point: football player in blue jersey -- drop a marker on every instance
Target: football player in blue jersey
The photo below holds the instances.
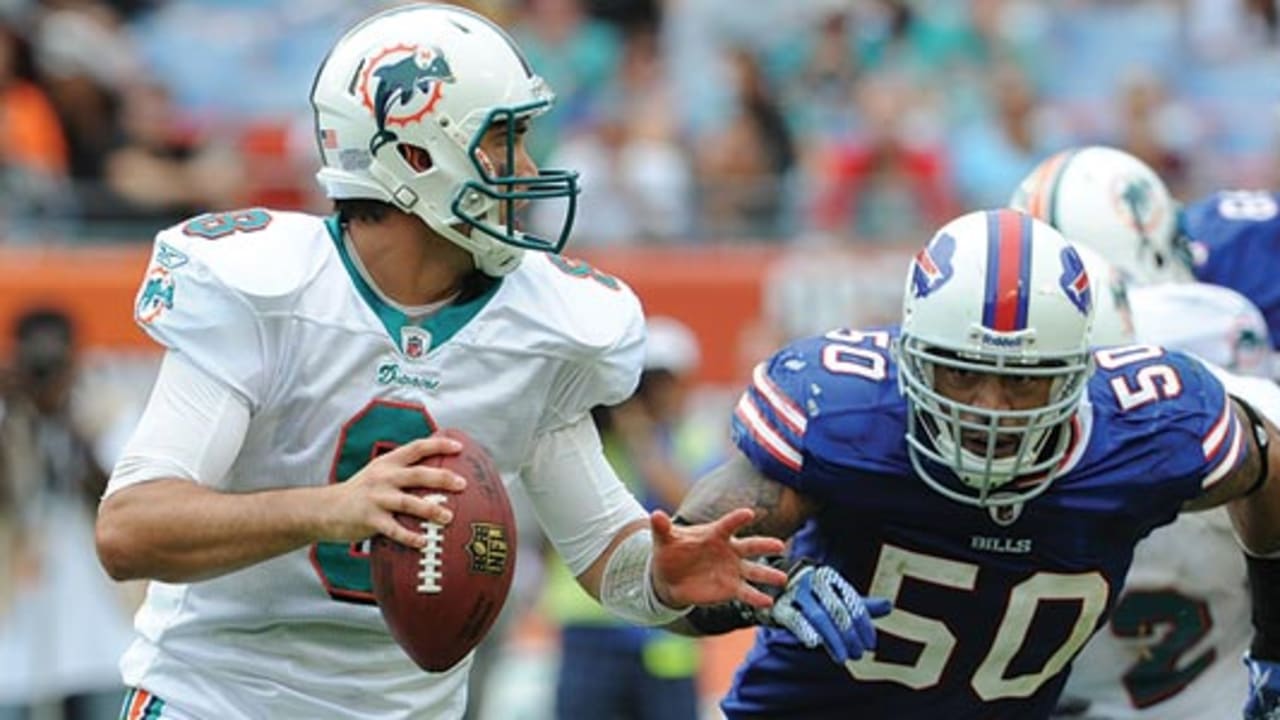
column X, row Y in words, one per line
column 1103, row 195
column 982, row 477
column 1234, row 239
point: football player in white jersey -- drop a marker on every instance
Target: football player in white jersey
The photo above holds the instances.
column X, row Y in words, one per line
column 309, row 361
column 1172, row 645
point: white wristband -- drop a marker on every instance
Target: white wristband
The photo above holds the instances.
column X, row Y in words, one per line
column 626, row 590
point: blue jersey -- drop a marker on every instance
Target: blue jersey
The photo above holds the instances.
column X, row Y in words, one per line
column 990, row 604
column 1236, row 243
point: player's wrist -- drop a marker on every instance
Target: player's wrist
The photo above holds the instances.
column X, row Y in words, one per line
column 628, row 586
column 1264, row 591
column 308, row 514
column 661, row 596
column 735, row 615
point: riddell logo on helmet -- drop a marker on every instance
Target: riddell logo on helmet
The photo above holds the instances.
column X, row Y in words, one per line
column 401, row 85
column 1003, row 340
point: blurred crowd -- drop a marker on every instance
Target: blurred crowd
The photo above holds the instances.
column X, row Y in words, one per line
column 690, row 120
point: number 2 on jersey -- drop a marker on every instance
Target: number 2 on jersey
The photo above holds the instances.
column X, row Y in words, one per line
column 1179, row 623
column 344, row 568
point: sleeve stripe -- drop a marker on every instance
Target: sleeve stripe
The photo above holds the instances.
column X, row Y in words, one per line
column 776, row 446
column 790, row 413
column 1229, row 462
column 1213, row 439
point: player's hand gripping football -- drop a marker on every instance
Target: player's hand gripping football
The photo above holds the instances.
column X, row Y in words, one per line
column 1264, row 690
column 365, row 504
column 820, row 607
column 706, row 565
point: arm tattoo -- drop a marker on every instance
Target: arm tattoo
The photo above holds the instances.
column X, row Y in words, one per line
column 736, row 484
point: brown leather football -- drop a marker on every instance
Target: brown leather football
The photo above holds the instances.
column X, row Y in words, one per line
column 441, row 600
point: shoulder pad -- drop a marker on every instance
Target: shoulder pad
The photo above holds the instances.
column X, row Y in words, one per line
column 255, row 251
column 1179, row 413
column 593, row 321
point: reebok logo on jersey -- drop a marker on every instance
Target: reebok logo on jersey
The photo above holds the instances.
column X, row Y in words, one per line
column 170, row 257
column 1007, row 545
column 391, row 374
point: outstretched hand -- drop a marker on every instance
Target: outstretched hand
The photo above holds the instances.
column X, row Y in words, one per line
column 706, row 565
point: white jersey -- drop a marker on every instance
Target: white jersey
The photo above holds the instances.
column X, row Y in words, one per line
column 1172, row 647
column 273, row 305
column 1216, row 323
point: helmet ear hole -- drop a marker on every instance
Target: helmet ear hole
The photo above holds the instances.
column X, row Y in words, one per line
column 417, row 157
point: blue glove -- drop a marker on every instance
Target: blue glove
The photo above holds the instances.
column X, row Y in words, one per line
column 1264, row 690
column 821, row 608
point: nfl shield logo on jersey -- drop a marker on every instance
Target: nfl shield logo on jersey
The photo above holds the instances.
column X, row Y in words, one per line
column 414, row 342
column 1005, row 515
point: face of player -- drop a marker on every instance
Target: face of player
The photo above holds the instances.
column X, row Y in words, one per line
column 991, row 391
column 502, row 149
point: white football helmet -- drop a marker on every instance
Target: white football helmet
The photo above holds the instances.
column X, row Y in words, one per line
column 994, row 292
column 1114, row 203
column 401, row 104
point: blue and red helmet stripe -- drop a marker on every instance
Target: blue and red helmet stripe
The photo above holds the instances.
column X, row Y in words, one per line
column 1008, row 284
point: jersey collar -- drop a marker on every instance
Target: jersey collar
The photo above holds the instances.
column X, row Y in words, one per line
column 439, row 326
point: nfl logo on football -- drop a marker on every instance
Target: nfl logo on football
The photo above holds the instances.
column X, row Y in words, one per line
column 415, row 341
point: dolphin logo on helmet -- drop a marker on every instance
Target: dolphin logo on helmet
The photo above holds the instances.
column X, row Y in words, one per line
column 408, row 78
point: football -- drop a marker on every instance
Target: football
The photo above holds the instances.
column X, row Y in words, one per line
column 440, row 601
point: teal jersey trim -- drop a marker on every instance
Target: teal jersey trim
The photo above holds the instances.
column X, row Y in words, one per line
column 441, row 325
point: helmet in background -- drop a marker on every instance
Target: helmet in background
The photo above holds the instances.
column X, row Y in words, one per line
column 1114, row 203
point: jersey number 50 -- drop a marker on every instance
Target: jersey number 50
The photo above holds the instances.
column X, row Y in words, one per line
column 1147, row 384
column 990, row 680
column 851, row 352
